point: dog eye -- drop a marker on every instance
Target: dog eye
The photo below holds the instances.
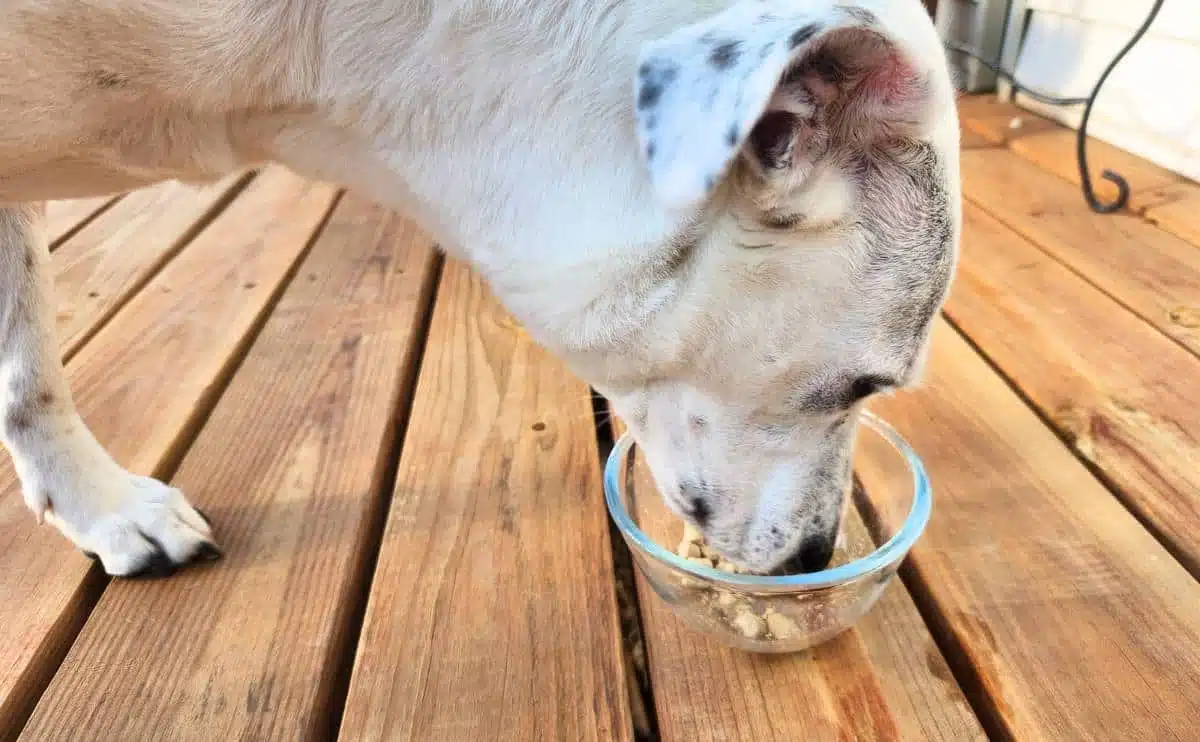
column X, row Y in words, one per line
column 865, row 386
column 782, row 221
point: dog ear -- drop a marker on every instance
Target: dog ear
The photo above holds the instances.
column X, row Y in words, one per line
column 778, row 80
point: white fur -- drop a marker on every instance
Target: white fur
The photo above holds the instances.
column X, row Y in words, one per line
column 509, row 131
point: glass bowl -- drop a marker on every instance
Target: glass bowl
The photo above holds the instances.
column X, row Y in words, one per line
column 891, row 506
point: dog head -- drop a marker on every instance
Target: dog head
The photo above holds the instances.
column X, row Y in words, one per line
column 810, row 149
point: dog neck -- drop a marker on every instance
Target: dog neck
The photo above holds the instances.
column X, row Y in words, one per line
column 509, row 133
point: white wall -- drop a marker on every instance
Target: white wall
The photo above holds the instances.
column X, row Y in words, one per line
column 1151, row 103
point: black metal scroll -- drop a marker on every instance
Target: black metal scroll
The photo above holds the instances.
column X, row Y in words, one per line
column 1085, row 175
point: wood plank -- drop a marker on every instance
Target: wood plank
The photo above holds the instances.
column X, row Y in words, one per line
column 1163, row 197
column 884, row 679
column 142, row 383
column 290, row 466
column 492, row 612
column 1084, row 361
column 1051, row 146
column 1150, row 271
column 99, row 268
column 1176, row 208
column 63, row 217
column 1075, row 623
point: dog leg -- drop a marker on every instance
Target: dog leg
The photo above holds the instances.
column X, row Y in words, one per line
column 132, row 524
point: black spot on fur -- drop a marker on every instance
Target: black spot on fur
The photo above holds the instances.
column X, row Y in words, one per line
column 731, row 138
column 861, row 15
column 803, row 34
column 654, row 80
column 30, row 260
column 109, row 80
column 726, row 54
column 45, row 399
column 701, row 512
column 650, row 151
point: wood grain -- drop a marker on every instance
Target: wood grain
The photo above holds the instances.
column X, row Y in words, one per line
column 1075, row 623
column 1082, row 359
column 1163, row 197
column 1148, row 270
column 142, row 383
column 290, row 468
column 492, row 612
column 885, row 679
column 65, row 216
column 101, row 266
column 1175, row 208
column 1051, row 146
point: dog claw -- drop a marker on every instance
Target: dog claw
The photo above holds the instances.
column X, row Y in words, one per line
column 208, row 552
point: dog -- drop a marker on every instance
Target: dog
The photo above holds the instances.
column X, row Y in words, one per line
column 735, row 219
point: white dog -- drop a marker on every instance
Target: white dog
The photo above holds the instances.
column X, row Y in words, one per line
column 734, row 218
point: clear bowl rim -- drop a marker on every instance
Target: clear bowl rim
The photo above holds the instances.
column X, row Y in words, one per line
column 889, row 552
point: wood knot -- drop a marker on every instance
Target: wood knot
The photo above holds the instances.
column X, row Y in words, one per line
column 1188, row 317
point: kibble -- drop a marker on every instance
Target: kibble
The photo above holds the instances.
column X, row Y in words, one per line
column 748, row 624
column 780, row 626
column 733, row 608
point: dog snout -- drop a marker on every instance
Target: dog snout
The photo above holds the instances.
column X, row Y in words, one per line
column 814, row 555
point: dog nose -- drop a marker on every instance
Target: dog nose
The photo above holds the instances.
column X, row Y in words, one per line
column 814, row 555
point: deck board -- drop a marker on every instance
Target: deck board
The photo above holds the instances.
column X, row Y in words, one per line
column 1073, row 620
column 101, row 266
column 63, row 218
column 1161, row 196
column 1081, row 359
column 1042, row 603
column 492, row 612
column 141, row 383
column 1152, row 272
column 290, row 469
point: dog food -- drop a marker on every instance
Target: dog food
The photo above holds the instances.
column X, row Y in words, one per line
column 729, row 607
column 761, row 618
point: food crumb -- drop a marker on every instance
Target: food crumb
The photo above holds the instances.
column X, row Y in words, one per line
column 750, row 625
column 726, row 599
column 779, row 625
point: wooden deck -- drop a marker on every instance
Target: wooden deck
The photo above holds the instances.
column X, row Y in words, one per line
column 408, row 491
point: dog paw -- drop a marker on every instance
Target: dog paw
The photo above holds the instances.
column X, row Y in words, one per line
column 134, row 526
